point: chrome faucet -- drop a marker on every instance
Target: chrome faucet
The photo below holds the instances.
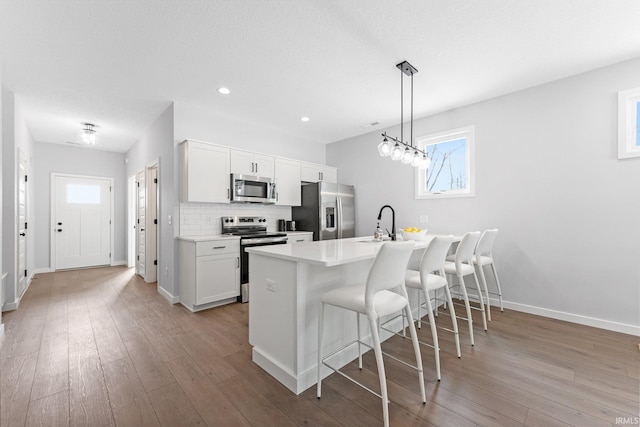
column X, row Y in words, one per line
column 392, row 234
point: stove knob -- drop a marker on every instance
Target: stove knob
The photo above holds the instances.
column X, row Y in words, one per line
column 226, row 220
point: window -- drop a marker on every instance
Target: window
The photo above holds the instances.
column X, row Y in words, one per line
column 450, row 173
column 83, row 193
column 629, row 123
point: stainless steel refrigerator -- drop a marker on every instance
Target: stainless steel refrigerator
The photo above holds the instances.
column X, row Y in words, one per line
column 327, row 209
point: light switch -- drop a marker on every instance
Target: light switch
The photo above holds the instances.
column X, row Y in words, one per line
column 170, row 219
column 271, row 285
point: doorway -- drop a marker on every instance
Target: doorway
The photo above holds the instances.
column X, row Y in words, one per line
column 146, row 222
column 22, row 225
column 131, row 221
column 82, row 229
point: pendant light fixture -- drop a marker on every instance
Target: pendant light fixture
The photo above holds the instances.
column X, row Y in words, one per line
column 406, row 153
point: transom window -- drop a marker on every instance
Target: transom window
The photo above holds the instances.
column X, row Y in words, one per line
column 451, row 171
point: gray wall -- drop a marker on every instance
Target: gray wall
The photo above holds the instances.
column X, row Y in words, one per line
column 158, row 143
column 57, row 158
column 547, row 175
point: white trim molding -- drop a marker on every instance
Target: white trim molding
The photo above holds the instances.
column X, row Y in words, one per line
column 171, row 298
column 628, row 111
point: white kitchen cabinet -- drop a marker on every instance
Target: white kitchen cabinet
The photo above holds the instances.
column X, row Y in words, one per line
column 205, row 175
column 310, row 172
column 299, row 237
column 287, row 178
column 209, row 272
column 248, row 163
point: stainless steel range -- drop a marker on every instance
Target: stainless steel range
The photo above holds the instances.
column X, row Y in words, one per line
column 253, row 232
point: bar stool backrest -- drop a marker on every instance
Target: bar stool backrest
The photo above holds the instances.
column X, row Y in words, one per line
column 485, row 244
column 388, row 269
column 434, row 256
column 466, row 248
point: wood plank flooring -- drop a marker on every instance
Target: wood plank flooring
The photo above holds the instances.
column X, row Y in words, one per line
column 99, row 347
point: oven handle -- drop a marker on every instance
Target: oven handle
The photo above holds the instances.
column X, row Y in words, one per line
column 258, row 241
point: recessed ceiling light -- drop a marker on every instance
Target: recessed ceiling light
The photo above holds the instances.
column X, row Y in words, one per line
column 224, row 91
column 304, row 119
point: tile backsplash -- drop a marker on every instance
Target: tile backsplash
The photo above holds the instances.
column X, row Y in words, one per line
column 199, row 219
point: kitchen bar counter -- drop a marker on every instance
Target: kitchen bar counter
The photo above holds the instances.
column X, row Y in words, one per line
column 286, row 284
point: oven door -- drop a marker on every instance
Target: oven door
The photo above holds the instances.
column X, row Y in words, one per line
column 252, row 243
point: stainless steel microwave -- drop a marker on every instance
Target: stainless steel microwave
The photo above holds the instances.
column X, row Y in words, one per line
column 252, row 189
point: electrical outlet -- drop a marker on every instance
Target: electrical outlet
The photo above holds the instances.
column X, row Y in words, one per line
column 170, row 219
column 166, row 272
column 271, row 285
column 424, row 219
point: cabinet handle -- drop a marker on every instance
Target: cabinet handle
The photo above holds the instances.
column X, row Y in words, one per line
column 277, row 196
column 237, row 262
column 228, row 193
column 300, row 240
column 219, row 247
column 252, row 167
column 256, row 168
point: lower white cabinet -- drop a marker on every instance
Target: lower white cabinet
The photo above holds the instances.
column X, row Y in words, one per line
column 209, row 272
column 299, row 237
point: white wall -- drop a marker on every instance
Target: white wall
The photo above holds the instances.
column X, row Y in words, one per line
column 158, row 143
column 192, row 122
column 57, row 158
column 547, row 175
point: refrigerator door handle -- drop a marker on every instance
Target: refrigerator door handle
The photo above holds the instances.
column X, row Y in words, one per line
column 339, row 216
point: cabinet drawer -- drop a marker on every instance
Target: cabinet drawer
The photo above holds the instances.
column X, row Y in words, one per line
column 216, row 247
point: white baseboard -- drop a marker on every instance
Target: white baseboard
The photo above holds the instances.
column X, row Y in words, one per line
column 121, row 262
column 172, row 299
column 41, row 270
column 10, row 306
column 570, row 317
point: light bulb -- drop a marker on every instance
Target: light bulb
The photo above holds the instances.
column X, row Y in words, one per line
column 425, row 162
column 407, row 156
column 384, row 148
column 396, row 153
column 416, row 159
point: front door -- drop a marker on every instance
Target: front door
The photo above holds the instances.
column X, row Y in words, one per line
column 82, row 221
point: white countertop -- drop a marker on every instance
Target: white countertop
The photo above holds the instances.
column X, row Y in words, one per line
column 208, row 237
column 328, row 253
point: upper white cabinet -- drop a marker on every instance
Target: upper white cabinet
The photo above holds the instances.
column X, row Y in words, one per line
column 205, row 175
column 248, row 163
column 310, row 172
column 287, row 177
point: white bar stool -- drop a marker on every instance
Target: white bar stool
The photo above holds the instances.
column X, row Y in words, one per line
column 432, row 260
column 460, row 265
column 375, row 300
column 483, row 257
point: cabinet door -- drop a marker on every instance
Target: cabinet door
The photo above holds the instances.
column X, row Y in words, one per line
column 217, row 278
column 264, row 165
column 242, row 162
column 205, row 173
column 287, row 177
column 310, row 172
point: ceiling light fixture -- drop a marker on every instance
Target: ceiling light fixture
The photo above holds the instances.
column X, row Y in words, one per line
column 304, row 119
column 88, row 134
column 224, row 91
column 410, row 155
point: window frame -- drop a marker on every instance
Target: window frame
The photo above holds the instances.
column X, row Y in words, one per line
column 468, row 133
column 628, row 106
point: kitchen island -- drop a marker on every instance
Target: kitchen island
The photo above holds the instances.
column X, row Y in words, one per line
column 286, row 284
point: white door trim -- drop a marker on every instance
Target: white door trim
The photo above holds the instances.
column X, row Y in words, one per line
column 52, row 242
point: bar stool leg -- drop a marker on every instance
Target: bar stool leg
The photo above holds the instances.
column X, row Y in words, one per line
column 377, row 349
column 495, row 275
column 454, row 320
column 463, row 289
column 484, row 315
column 434, row 334
column 416, row 350
column 483, row 280
column 359, row 339
column 320, row 330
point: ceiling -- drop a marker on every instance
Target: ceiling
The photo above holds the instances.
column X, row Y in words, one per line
column 119, row 64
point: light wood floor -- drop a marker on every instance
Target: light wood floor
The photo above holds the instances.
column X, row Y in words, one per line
column 99, row 347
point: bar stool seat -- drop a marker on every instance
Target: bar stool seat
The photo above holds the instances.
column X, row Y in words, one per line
column 352, row 298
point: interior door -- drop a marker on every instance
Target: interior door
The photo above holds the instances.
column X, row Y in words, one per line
column 141, row 224
column 22, row 224
column 82, row 222
column 151, row 230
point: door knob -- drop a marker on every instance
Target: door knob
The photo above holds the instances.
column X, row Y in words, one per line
column 23, row 234
column 59, row 223
column 59, row 230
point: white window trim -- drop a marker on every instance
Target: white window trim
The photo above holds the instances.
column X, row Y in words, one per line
column 627, row 104
column 467, row 132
